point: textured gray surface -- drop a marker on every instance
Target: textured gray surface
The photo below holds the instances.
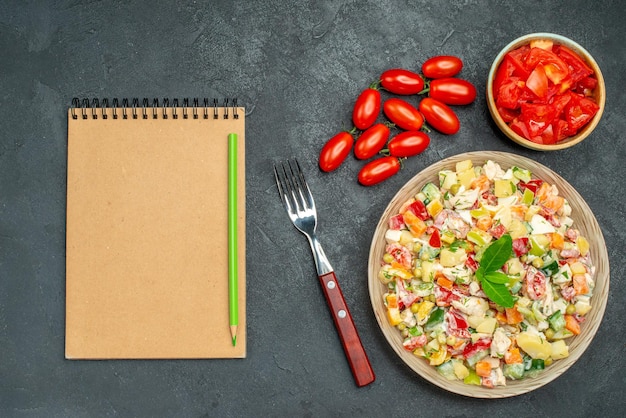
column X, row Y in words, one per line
column 297, row 67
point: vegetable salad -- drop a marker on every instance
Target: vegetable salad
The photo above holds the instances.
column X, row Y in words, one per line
column 487, row 277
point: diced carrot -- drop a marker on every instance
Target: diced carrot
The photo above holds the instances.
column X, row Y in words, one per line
column 415, row 224
column 484, row 223
column 572, row 324
column 443, row 281
column 501, row 317
column 392, row 300
column 513, row 356
column 481, row 183
column 483, row 368
column 519, row 211
column 580, row 284
column 557, row 241
column 542, row 192
column 553, row 202
column 513, row 316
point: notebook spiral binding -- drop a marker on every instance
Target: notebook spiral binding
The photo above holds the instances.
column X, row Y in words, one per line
column 132, row 108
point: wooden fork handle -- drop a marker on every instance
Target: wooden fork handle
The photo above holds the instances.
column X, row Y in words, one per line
column 350, row 340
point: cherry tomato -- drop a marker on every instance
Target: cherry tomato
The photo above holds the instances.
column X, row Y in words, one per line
column 452, row 91
column 408, row 144
column 366, row 108
column 442, row 66
column 399, row 81
column 403, row 114
column 439, row 116
column 335, row 151
column 371, row 141
column 378, row 170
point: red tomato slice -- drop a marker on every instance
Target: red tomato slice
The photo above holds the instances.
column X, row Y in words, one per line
column 439, row 116
column 555, row 68
column 403, row 114
column 399, row 81
column 537, row 117
column 577, row 67
column 579, row 111
column 366, row 108
column 378, row 170
column 335, row 151
column 371, row 141
column 537, row 82
column 509, row 94
column 408, row 144
column 517, row 58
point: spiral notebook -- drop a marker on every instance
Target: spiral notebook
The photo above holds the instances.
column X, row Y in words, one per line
column 147, row 233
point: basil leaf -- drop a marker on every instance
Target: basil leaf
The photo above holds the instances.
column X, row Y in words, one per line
column 480, row 274
column 498, row 293
column 497, row 277
column 497, row 253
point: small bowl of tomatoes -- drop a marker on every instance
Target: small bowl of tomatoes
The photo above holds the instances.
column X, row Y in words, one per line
column 545, row 92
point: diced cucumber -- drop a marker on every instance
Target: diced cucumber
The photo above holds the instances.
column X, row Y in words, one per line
column 447, row 370
column 431, row 191
column 556, row 321
column 522, row 174
column 513, row 371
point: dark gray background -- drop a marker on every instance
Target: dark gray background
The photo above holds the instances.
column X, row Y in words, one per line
column 297, row 67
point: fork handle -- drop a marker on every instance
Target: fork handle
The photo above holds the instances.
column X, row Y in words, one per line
column 350, row 340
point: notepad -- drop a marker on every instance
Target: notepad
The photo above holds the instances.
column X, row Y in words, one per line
column 147, row 230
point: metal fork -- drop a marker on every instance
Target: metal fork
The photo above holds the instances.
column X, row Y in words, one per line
column 298, row 202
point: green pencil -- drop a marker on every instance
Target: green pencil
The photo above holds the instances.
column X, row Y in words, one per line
column 233, row 297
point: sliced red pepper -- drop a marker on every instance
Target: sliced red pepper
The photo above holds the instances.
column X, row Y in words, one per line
column 419, row 209
column 473, row 348
column 435, row 239
column 457, row 324
column 532, row 185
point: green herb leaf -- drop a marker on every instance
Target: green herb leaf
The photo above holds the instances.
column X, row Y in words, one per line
column 497, row 277
column 498, row 293
column 497, row 253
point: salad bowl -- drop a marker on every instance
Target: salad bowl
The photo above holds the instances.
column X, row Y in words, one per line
column 584, row 221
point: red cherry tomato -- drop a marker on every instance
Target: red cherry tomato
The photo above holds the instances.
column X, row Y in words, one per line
column 442, row 66
column 366, row 108
column 335, row 151
column 408, row 144
column 439, row 116
column 399, row 81
column 378, row 170
column 371, row 141
column 452, row 91
column 403, row 114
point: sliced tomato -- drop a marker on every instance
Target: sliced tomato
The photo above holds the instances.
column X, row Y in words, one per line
column 577, row 67
column 555, row 68
column 509, row 94
column 537, row 117
column 579, row 111
column 518, row 57
column 508, row 115
column 537, row 82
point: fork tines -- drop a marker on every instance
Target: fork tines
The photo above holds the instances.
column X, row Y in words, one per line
column 292, row 186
